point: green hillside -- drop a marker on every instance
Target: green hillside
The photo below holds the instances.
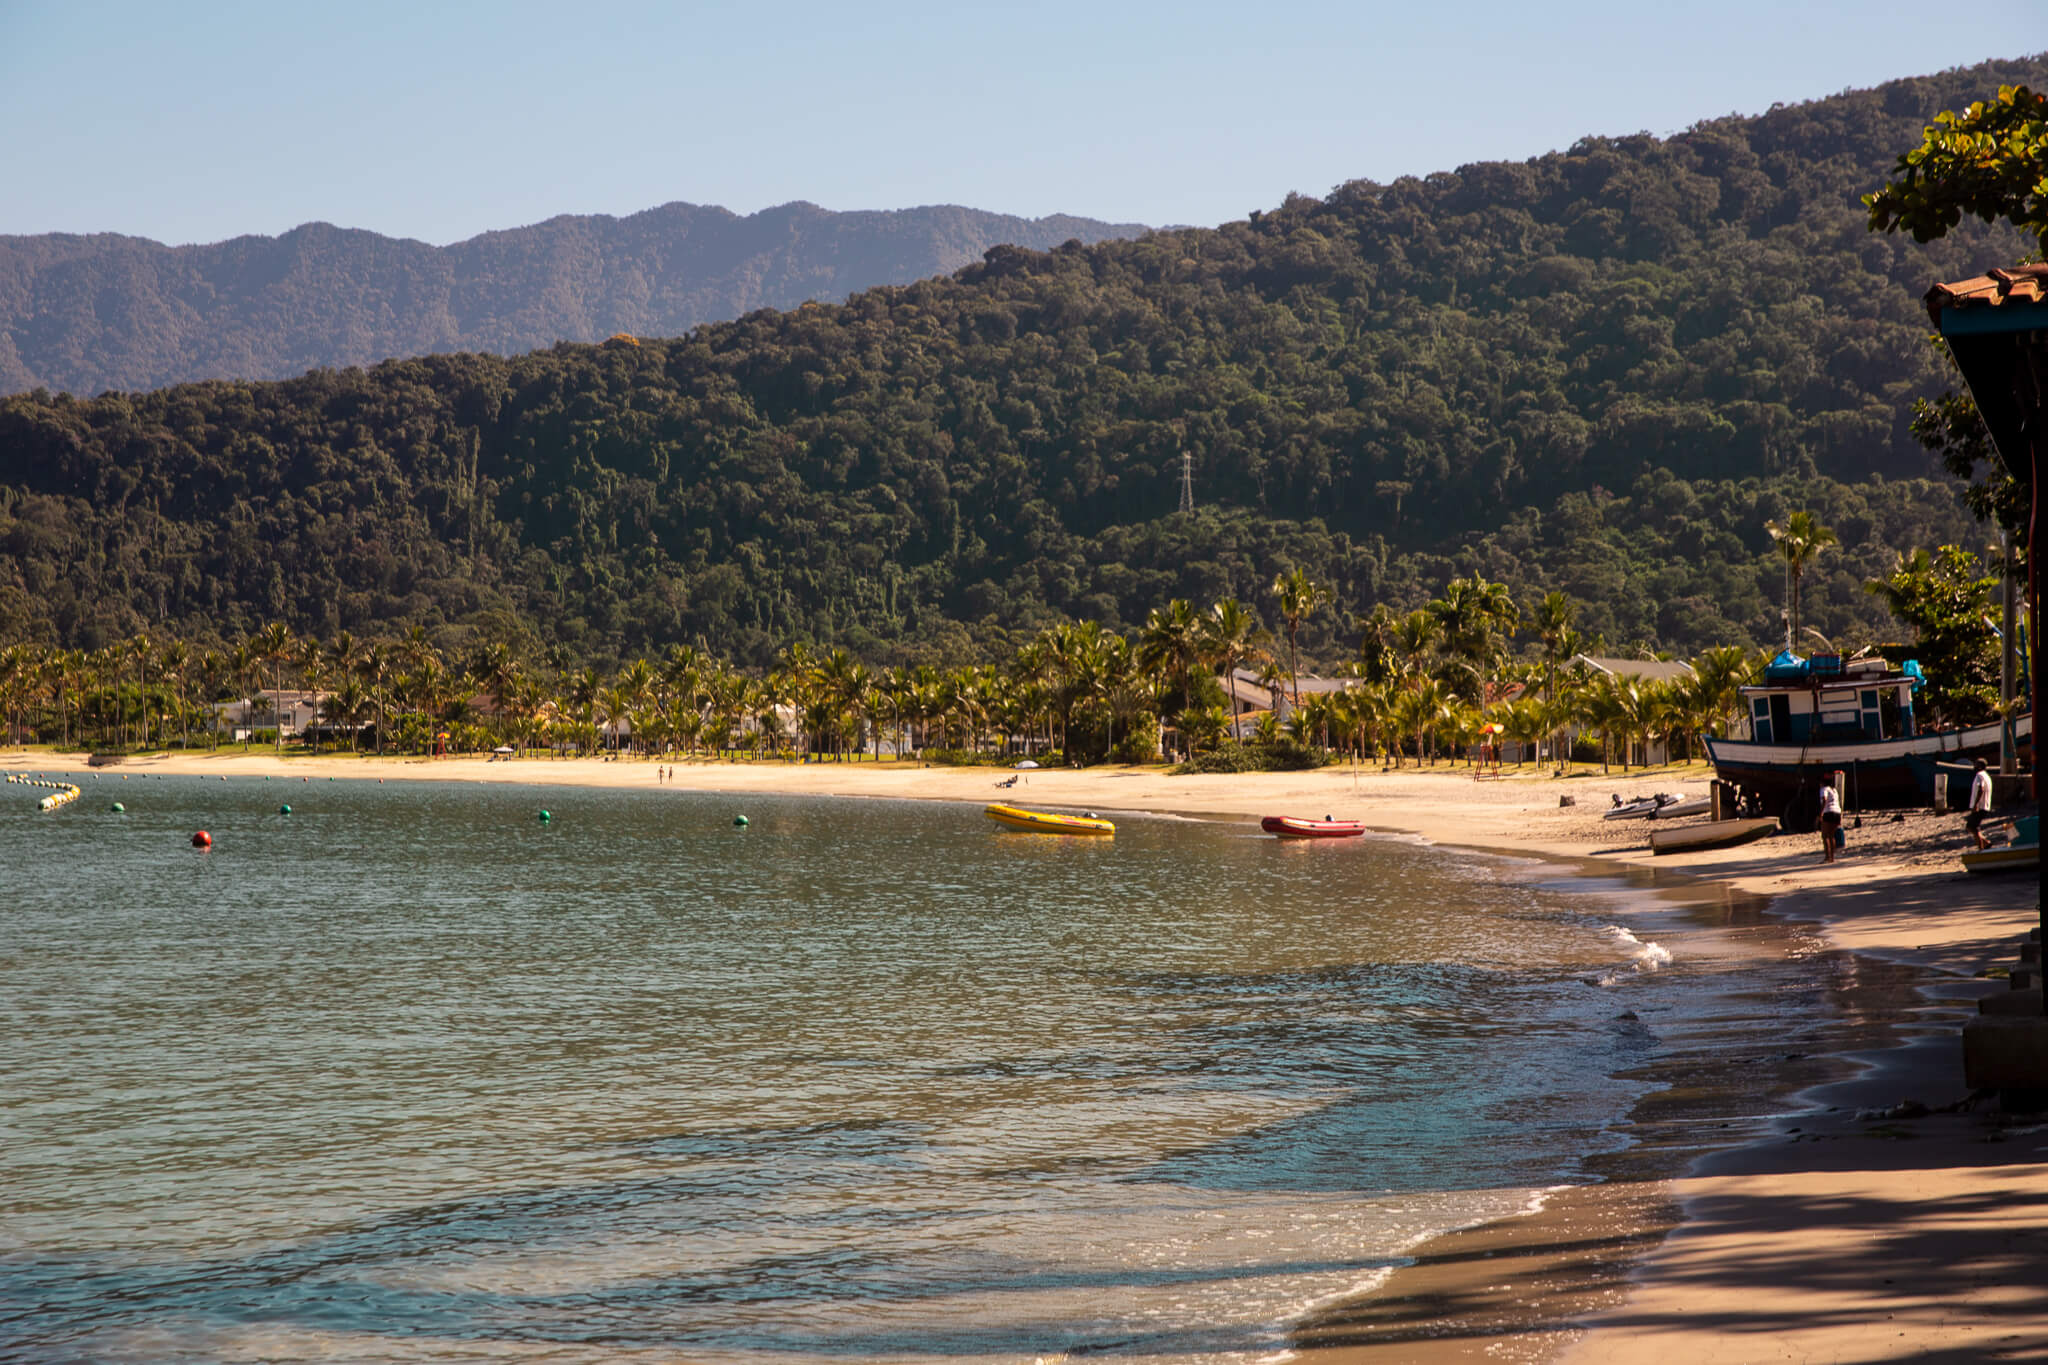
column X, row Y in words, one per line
column 1599, row 370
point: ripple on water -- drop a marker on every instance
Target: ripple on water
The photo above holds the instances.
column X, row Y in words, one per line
column 406, row 1077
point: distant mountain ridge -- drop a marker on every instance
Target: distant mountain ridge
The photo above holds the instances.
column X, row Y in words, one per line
column 86, row 313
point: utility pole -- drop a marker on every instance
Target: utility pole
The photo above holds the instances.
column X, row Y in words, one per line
column 1187, row 484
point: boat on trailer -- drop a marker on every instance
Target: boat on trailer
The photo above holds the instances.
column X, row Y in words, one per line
column 1810, row 718
column 1296, row 827
column 1047, row 822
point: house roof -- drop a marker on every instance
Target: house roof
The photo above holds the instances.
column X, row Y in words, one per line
column 1310, row 683
column 2019, row 284
column 1656, row 670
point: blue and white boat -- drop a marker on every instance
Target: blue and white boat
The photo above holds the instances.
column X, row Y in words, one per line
column 1812, row 717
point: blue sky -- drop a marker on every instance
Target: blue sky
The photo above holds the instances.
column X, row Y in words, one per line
column 440, row 120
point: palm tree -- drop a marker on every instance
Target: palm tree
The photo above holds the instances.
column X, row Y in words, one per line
column 1800, row 540
column 1418, row 709
column 1523, row 720
column 275, row 646
column 615, row 703
column 1415, row 637
column 1473, row 616
column 175, row 660
column 1719, row 675
column 1171, row 643
column 1232, row 637
column 1299, row 596
column 312, row 662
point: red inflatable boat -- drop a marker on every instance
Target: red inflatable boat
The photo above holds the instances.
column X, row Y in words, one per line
column 1294, row 827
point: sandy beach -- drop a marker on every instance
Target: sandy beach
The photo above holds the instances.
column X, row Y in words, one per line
column 1866, row 1211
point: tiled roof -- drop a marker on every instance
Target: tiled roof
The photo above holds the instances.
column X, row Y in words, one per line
column 2023, row 284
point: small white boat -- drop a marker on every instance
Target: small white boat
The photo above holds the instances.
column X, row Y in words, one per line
column 1642, row 807
column 1710, row 834
column 1678, row 810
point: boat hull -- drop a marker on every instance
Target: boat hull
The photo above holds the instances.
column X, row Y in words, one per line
column 1047, row 822
column 1710, row 834
column 2012, row 858
column 1294, row 827
column 1884, row 774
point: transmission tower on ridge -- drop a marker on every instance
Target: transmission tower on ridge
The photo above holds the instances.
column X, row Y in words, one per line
column 1187, row 483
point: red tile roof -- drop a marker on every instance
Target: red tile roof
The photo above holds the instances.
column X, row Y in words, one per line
column 2024, row 283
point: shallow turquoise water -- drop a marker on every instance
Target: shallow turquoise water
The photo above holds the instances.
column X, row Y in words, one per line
column 407, row 1075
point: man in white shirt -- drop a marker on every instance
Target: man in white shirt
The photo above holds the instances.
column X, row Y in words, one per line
column 1980, row 805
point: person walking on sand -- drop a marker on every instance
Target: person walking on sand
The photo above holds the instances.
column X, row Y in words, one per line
column 1830, row 820
column 1980, row 805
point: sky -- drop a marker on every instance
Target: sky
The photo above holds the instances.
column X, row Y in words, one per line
column 203, row 121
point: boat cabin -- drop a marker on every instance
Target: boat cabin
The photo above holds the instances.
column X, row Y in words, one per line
column 1823, row 700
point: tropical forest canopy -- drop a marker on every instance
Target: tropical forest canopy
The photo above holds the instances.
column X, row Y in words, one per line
column 1601, row 371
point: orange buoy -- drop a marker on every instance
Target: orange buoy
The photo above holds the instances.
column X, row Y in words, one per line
column 201, row 839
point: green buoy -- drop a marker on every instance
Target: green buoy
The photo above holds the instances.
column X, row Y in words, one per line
column 546, row 816
column 284, row 810
column 739, row 821
column 117, row 808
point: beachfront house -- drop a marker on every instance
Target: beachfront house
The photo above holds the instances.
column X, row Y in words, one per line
column 268, row 709
column 1640, row 672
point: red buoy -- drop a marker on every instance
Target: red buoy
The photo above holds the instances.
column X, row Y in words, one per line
column 202, row 839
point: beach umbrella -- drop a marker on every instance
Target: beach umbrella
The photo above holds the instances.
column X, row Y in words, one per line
column 503, row 749
column 1027, row 763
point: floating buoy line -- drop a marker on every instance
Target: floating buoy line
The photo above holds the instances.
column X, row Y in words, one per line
column 63, row 793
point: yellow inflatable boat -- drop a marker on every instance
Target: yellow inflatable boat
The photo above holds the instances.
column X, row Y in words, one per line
column 1046, row 822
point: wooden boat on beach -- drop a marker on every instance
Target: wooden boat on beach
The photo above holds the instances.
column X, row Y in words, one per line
column 2023, row 854
column 2010, row 858
column 1295, row 827
column 1047, row 822
column 1710, row 834
column 1812, row 718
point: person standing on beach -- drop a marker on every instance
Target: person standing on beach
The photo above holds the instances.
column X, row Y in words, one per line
column 1830, row 820
column 1980, row 804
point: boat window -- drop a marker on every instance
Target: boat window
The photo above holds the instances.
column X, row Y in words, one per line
column 1869, row 700
column 1761, row 708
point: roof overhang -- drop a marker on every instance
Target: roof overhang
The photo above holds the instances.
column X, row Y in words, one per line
column 1996, row 326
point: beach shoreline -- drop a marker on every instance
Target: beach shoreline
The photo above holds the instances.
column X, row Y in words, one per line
column 1664, row 1262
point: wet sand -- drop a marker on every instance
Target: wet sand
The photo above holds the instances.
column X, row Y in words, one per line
column 1825, row 1224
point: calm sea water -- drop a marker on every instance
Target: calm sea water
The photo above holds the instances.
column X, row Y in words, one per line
column 406, row 1074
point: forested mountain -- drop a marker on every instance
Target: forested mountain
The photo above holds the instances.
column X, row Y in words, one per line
column 89, row 313
column 1600, row 370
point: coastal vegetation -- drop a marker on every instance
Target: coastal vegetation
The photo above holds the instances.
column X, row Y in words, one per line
column 1421, row 686
column 1599, row 372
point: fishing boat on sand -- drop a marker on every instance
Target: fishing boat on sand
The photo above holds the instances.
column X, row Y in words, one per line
column 1811, row 718
column 1296, row 827
column 2023, row 854
column 1710, row 834
column 2010, row 858
column 1047, row 822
